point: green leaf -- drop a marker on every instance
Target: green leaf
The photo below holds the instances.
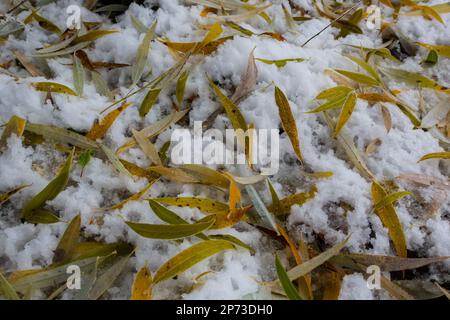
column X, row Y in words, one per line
column 366, row 67
column 203, row 204
column 68, row 241
column 431, row 59
column 190, row 257
column 334, row 93
column 172, row 231
column 290, row 290
column 50, row 191
column 260, row 208
column 84, row 158
column 148, row 102
column 231, row 239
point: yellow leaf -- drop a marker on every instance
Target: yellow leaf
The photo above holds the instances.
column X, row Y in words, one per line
column 146, row 146
column 212, row 35
column 441, row 50
column 206, row 175
column 346, row 112
column 389, row 218
column 134, row 197
column 185, row 47
column 5, row 196
column 436, row 155
column 174, row 174
column 142, row 285
column 99, row 129
column 288, row 121
column 333, row 286
column 358, row 77
column 203, row 204
column 16, row 126
column 189, row 257
column 300, row 198
column 53, row 87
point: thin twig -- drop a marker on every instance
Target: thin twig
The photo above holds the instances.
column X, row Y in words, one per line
column 17, row 6
column 337, row 19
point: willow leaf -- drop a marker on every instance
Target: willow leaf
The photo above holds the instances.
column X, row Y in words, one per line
column 289, row 289
column 391, row 198
column 51, row 191
column 5, row 196
column 53, row 87
column 147, row 147
column 203, row 204
column 149, row 100
column 358, row 77
column 436, row 155
column 115, row 161
column 142, row 54
column 142, row 285
column 66, row 246
column 288, row 121
column 286, row 203
column 15, row 126
column 190, row 257
column 346, row 112
column 260, row 208
column 78, row 75
column 389, row 218
column 281, row 62
column 7, row 290
column 93, row 35
column 171, row 231
column 100, row 128
column 181, row 85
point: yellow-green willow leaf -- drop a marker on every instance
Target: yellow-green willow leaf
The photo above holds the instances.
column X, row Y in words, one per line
column 346, row 112
column 137, row 24
column 288, row 121
column 172, row 231
column 64, row 51
column 93, row 35
column 61, row 135
column 142, row 285
column 138, row 171
column 281, row 62
column 154, row 129
column 42, row 216
column 107, row 278
column 361, row 78
column 28, row 65
column 134, row 197
column 58, row 46
column 307, row 266
column 239, row 28
column 53, row 87
column 6, row 289
column 100, row 128
column 206, row 175
column 275, row 199
column 330, row 104
column 50, row 191
column 382, row 52
column 5, row 196
column 391, row 198
column 78, row 75
column 300, row 198
column 190, row 257
column 147, row 147
column 115, row 161
column 213, row 33
column 181, row 85
column 170, row 217
column 413, row 79
column 232, row 110
column 394, row 290
column 440, row 50
column 174, row 174
column 333, row 284
column 389, row 218
column 67, row 243
column 142, row 54
column 16, row 126
column 186, row 47
column 386, row 263
column 439, row 8
column 84, row 250
column 203, row 204
column 334, row 93
column 149, row 100
column 363, row 64
column 436, row 155
column 101, row 85
column 290, row 290
column 231, row 239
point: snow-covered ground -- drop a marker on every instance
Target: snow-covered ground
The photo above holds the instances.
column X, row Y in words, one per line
column 237, row 273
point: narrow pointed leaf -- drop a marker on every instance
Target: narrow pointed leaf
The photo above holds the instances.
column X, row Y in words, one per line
column 67, row 243
column 436, row 155
column 53, row 87
column 346, row 112
column 100, row 128
column 289, row 289
column 142, row 285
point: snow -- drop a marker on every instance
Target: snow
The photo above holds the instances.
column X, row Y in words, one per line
column 234, row 274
